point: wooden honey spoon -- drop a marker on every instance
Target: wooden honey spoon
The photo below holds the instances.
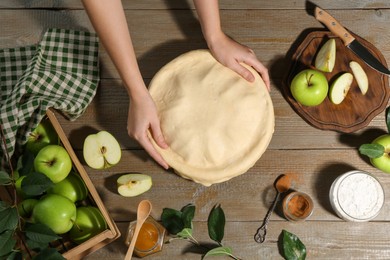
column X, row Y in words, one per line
column 143, row 212
column 282, row 184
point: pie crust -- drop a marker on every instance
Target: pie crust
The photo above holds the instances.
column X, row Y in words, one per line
column 216, row 123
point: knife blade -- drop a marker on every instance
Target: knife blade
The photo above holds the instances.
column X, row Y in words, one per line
column 349, row 41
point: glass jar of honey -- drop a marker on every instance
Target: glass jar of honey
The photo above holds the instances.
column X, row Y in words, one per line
column 150, row 238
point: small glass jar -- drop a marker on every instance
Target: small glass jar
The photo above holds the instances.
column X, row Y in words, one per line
column 150, row 237
column 297, row 206
column 356, row 196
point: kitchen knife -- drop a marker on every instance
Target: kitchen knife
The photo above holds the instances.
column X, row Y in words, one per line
column 349, row 41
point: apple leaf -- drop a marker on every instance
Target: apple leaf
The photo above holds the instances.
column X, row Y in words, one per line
column 35, row 184
column 188, row 213
column 4, row 205
column 36, row 246
column 25, row 163
column 8, row 219
column 15, row 255
column 172, row 220
column 293, row 248
column 216, row 224
column 185, row 233
column 7, row 242
column 5, row 179
column 49, row 254
column 372, row 150
column 219, row 251
column 41, row 233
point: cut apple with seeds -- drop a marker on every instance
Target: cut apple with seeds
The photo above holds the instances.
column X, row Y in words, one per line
column 340, row 87
column 326, row 57
column 101, row 150
column 360, row 76
column 133, row 184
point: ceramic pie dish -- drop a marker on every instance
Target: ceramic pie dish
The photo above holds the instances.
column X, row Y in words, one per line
column 217, row 124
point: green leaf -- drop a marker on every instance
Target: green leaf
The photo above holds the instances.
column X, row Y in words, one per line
column 4, row 205
column 185, row 233
column 293, row 248
column 8, row 219
column 41, row 233
column 15, row 255
column 5, row 179
column 219, row 251
column 25, row 164
column 36, row 246
column 372, row 150
column 7, row 242
column 35, row 184
column 172, row 221
column 49, row 254
column 188, row 213
column 216, row 224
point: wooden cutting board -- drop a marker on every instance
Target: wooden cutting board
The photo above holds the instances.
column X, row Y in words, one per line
column 357, row 110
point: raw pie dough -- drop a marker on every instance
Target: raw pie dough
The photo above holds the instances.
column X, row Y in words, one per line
column 217, row 124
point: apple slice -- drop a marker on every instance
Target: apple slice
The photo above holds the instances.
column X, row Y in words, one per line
column 340, row 87
column 360, row 76
column 133, row 184
column 326, row 57
column 101, row 150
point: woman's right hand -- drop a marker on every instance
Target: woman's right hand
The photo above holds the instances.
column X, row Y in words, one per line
column 142, row 118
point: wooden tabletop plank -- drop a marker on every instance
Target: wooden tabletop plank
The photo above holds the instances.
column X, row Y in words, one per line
column 224, row 4
column 171, row 33
column 323, row 240
column 246, row 197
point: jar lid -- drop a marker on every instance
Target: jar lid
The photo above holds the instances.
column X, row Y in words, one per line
column 356, row 196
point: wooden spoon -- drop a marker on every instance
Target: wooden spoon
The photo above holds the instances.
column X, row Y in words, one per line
column 143, row 212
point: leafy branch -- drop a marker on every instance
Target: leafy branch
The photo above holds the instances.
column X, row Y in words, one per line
column 179, row 224
column 12, row 225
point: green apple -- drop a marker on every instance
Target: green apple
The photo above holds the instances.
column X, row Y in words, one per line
column 53, row 161
column 72, row 187
column 25, row 207
column 42, row 136
column 383, row 162
column 360, row 76
column 133, row 184
column 309, row 87
column 89, row 222
column 340, row 87
column 101, row 150
column 56, row 212
column 326, row 56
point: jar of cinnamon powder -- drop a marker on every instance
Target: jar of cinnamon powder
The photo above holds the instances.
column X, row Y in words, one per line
column 297, row 206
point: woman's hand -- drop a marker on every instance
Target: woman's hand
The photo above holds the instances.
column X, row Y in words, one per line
column 231, row 53
column 142, row 118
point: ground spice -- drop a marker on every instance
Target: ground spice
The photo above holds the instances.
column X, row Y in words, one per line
column 299, row 206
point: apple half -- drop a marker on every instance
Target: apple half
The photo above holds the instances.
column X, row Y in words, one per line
column 101, row 150
column 340, row 87
column 360, row 76
column 133, row 184
column 326, row 56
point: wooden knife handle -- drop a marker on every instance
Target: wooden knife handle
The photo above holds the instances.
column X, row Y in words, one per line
column 333, row 25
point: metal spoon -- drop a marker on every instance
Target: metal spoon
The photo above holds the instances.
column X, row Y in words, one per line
column 143, row 212
column 282, row 184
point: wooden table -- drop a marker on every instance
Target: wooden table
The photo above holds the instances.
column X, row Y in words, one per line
column 161, row 31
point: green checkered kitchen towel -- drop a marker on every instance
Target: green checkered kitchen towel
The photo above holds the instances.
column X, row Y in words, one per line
column 61, row 72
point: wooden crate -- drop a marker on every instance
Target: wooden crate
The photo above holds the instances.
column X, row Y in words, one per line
column 112, row 232
column 68, row 249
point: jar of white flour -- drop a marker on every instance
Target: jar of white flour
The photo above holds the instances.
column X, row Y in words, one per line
column 356, row 196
